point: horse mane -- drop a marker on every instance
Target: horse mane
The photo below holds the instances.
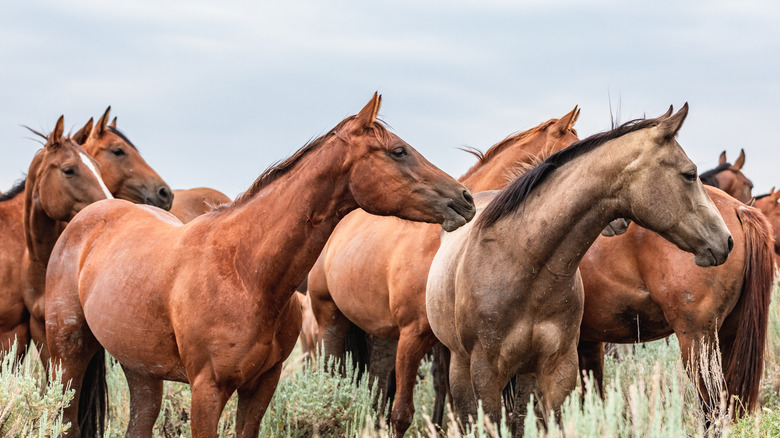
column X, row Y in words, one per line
column 15, row 190
column 708, row 177
column 510, row 198
column 503, row 144
column 280, row 168
column 759, row 196
column 121, row 135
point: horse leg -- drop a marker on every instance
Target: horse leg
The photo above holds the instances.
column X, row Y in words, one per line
column 524, row 386
column 208, row 401
column 333, row 327
column 253, row 400
column 441, row 384
column 557, row 383
column 488, row 383
column 591, row 361
column 461, row 390
column 691, row 345
column 38, row 334
column 145, row 401
column 412, row 346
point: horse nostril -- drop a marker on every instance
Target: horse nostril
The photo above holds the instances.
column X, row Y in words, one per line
column 731, row 243
column 467, row 196
column 164, row 193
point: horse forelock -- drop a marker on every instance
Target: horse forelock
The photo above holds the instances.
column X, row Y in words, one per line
column 512, row 196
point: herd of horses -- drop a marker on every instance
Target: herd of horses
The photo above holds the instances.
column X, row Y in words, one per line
column 573, row 244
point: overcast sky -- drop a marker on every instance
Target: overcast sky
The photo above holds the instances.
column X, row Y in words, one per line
column 214, row 92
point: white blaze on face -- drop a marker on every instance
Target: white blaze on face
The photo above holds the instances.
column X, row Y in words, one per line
column 85, row 159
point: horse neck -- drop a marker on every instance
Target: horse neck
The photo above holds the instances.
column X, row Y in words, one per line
column 279, row 233
column 563, row 217
column 40, row 230
column 499, row 170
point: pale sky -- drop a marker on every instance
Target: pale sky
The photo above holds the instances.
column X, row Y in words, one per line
column 214, row 92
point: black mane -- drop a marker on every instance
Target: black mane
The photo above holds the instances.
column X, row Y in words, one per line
column 512, row 196
column 708, row 177
column 15, row 190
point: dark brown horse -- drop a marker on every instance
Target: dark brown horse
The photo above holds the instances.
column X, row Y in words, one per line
column 504, row 294
column 211, row 302
column 729, row 178
column 61, row 181
column 126, row 175
column 373, row 270
column 191, row 203
column 639, row 288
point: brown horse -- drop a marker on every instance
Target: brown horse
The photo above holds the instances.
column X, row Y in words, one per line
column 123, row 170
column 640, row 288
column 211, row 302
column 729, row 178
column 768, row 205
column 373, row 270
column 125, row 173
column 191, row 203
column 505, row 294
column 61, row 181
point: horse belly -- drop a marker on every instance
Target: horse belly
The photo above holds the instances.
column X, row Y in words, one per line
column 130, row 324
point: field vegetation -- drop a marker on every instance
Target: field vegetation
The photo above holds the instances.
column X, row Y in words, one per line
column 647, row 393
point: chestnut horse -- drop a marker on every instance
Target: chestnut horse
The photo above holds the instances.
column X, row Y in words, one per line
column 729, row 178
column 768, row 205
column 124, row 171
column 191, row 203
column 211, row 302
column 640, row 288
column 505, row 294
column 373, row 270
column 61, row 181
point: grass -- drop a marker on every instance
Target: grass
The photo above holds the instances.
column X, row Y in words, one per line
column 647, row 393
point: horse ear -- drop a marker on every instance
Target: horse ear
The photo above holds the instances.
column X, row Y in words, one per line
column 774, row 194
column 669, row 127
column 722, row 158
column 113, row 123
column 565, row 123
column 741, row 160
column 667, row 114
column 55, row 138
column 367, row 116
column 82, row 135
column 102, row 124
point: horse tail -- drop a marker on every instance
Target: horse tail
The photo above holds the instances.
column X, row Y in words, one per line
column 356, row 345
column 746, row 364
column 441, row 382
column 94, row 397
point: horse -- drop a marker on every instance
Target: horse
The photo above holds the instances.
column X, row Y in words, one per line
column 124, row 172
column 191, row 203
column 767, row 204
column 729, row 178
column 61, row 181
column 639, row 288
column 504, row 293
column 210, row 303
column 373, row 270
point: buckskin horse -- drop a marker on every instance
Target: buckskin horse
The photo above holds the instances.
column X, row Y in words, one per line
column 211, row 302
column 126, row 175
column 504, row 293
column 373, row 270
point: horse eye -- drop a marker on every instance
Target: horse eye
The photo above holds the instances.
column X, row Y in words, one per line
column 118, row 152
column 69, row 171
column 399, row 152
column 690, row 176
